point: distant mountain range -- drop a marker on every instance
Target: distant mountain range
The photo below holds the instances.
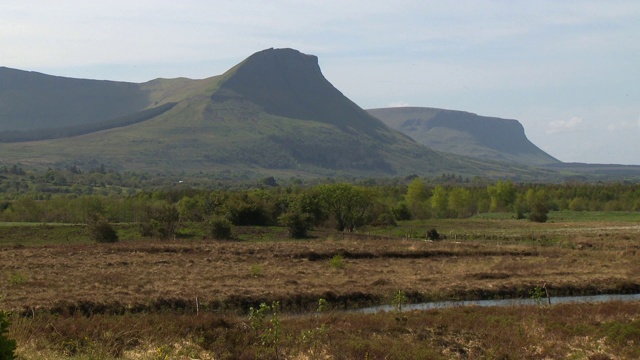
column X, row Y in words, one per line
column 273, row 113
column 465, row 134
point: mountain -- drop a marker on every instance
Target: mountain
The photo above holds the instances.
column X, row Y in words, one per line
column 272, row 113
column 30, row 100
column 465, row 134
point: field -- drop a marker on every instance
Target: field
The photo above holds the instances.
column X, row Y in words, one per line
column 197, row 293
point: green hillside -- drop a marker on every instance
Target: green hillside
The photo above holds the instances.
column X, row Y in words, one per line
column 465, row 134
column 273, row 113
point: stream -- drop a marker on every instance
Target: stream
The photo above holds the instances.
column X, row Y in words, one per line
column 506, row 302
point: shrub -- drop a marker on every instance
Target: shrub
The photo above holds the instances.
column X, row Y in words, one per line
column 160, row 220
column 402, row 212
column 101, row 231
column 220, row 228
column 337, row 261
column 539, row 213
column 7, row 346
column 433, row 234
column 297, row 223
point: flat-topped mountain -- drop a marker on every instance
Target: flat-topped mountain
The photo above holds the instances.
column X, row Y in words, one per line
column 465, row 134
column 273, row 112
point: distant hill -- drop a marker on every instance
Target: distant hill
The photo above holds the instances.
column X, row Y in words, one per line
column 466, row 134
column 30, row 100
column 273, row 113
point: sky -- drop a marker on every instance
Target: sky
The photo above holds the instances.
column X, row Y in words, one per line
column 568, row 70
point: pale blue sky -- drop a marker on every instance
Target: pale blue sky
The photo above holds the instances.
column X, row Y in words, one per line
column 569, row 71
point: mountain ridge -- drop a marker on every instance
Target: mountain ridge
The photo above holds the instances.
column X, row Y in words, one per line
column 464, row 133
column 273, row 111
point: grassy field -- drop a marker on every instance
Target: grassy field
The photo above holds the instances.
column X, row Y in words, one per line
column 191, row 297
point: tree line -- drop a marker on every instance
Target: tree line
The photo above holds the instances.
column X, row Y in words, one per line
column 342, row 206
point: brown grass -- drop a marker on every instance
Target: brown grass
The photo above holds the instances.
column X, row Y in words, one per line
column 235, row 275
column 579, row 331
column 137, row 299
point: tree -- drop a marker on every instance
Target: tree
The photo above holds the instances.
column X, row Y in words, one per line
column 162, row 220
column 503, row 195
column 539, row 205
column 346, row 204
column 439, row 201
column 297, row 223
column 220, row 228
column 417, row 195
column 459, row 201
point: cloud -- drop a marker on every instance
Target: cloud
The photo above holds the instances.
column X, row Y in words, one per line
column 399, row 103
column 624, row 125
column 558, row 126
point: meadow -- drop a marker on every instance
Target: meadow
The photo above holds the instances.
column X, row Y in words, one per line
column 263, row 295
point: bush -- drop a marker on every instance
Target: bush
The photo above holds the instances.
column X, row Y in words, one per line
column 297, row 223
column 220, row 228
column 160, row 220
column 337, row 262
column 539, row 213
column 7, row 346
column 433, row 234
column 101, row 231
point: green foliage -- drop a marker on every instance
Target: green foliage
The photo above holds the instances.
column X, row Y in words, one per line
column 439, row 201
column 337, row 262
column 416, row 200
column 297, row 224
column 161, row 220
column 267, row 333
column 248, row 209
column 256, row 270
column 503, row 194
column 399, row 300
column 100, row 230
column 537, row 295
column 538, row 203
column 220, row 228
column 7, row 345
column 401, row 211
column 459, row 202
column 348, row 205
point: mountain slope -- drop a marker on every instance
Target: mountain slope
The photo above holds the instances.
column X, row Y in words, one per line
column 30, row 100
column 465, row 134
column 272, row 113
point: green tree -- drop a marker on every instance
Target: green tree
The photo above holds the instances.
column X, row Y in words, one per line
column 460, row 201
column 539, row 205
column 416, row 197
column 162, row 220
column 439, row 201
column 503, row 195
column 346, row 204
column 220, row 228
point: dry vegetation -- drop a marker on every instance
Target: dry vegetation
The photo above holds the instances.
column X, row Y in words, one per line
column 137, row 299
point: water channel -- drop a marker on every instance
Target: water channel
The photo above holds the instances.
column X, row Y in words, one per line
column 506, row 302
